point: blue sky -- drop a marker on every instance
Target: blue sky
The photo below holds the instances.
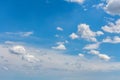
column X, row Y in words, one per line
column 60, row 39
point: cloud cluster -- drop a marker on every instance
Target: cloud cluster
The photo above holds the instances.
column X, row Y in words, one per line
column 102, row 56
column 85, row 32
column 112, row 28
column 115, row 39
column 74, row 36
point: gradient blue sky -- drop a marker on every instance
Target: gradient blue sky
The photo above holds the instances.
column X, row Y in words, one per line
column 59, row 39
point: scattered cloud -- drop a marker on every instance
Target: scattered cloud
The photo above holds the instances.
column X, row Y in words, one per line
column 113, row 7
column 85, row 32
column 60, row 46
column 59, row 29
column 92, row 46
column 101, row 56
column 22, row 34
column 112, row 28
column 73, row 36
column 19, row 50
column 76, row 1
column 81, row 55
column 114, row 40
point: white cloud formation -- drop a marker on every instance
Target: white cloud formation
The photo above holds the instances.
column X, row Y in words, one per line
column 60, row 47
column 92, row 46
column 115, row 39
column 76, row 1
column 85, row 32
column 113, row 7
column 59, row 29
column 19, row 50
column 101, row 56
column 81, row 55
column 73, row 36
column 53, row 60
column 112, row 28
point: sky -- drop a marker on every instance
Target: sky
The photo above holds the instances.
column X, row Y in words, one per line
column 59, row 39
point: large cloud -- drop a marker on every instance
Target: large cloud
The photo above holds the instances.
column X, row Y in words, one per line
column 113, row 7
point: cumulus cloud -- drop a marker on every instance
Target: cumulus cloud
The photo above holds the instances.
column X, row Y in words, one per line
column 76, row 1
column 113, row 7
column 92, row 46
column 59, row 29
column 115, row 39
column 85, row 32
column 73, row 36
column 112, row 28
column 101, row 56
column 60, row 46
column 81, row 55
column 19, row 50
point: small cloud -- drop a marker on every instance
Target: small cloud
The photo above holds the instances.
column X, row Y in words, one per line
column 81, row 55
column 60, row 47
column 59, row 29
column 92, row 46
column 19, row 50
column 73, row 36
column 76, row 1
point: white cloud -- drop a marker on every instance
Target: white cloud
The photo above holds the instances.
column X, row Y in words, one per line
column 104, row 57
column 100, row 5
column 76, row 1
column 59, row 29
column 22, row 34
column 60, row 47
column 85, row 32
column 73, row 36
column 81, row 55
column 115, row 39
column 19, row 50
column 112, row 28
column 92, row 46
column 113, row 7
column 53, row 60
column 101, row 56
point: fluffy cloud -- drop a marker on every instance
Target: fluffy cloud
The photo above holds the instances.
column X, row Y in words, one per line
column 59, row 29
column 19, row 50
column 92, row 46
column 75, row 1
column 73, row 36
column 60, row 46
column 115, row 39
column 113, row 7
column 85, row 32
column 112, row 28
column 101, row 56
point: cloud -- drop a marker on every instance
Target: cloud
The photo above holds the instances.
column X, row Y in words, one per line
column 114, row 40
column 73, row 36
column 60, row 46
column 85, row 32
column 92, row 46
column 59, row 29
column 113, row 7
column 101, row 56
column 112, row 28
column 22, row 34
column 81, row 55
column 76, row 1
column 19, row 50
column 50, row 60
